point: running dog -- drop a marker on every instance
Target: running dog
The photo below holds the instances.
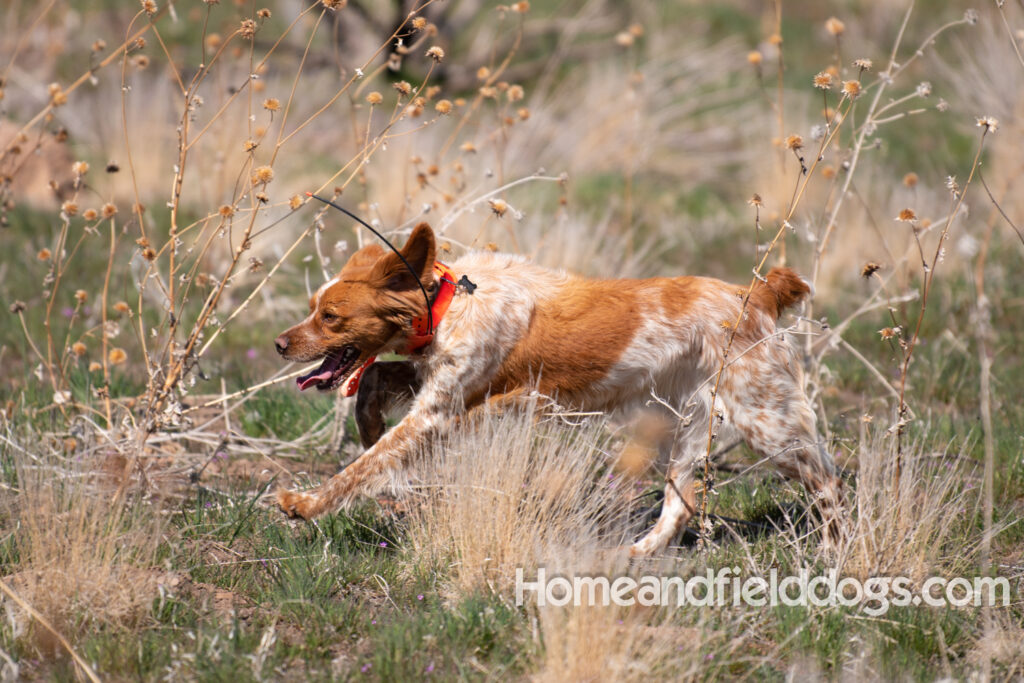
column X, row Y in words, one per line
column 512, row 327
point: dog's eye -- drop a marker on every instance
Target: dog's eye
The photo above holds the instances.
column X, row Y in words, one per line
column 328, row 317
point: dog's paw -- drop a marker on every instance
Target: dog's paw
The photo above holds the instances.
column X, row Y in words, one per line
column 297, row 504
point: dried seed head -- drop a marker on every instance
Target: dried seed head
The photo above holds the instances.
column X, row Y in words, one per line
column 443, row 107
column 828, row 172
column 521, row 7
column 263, row 13
column 78, row 348
column 851, row 89
column 468, row 147
column 374, row 98
column 117, row 356
column 755, row 58
column 247, row 29
column 227, row 211
column 334, row 4
column 80, row 168
column 924, row 89
column 482, row 73
column 95, row 367
column 794, row 142
column 907, row 216
column 271, row 104
column 403, row 87
column 149, row 7
column 869, row 269
column 122, row 307
column 99, row 45
column 889, row 332
column 910, row 180
column 435, row 53
column 149, row 254
column 69, row 207
column 90, row 214
column 491, row 246
column 498, row 206
column 756, row 200
column 989, row 123
column 636, row 30
column 17, row 307
column 140, row 61
column 862, row 64
column 624, row 39
column 971, row 16
column 81, row 295
column 295, row 202
column 419, row 23
column 834, row 26
column 823, row 80
column 262, row 175
column 250, row 145
column 514, row 93
column 775, row 39
column 523, row 113
column 108, row 210
column 57, row 95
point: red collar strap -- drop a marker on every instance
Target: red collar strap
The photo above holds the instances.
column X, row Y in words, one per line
column 422, row 334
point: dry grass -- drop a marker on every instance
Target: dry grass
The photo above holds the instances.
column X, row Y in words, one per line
column 514, row 492
column 911, row 523
column 86, row 561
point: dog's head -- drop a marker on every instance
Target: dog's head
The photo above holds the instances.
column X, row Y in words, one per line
column 365, row 310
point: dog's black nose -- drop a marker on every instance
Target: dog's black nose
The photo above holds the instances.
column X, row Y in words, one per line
column 281, row 343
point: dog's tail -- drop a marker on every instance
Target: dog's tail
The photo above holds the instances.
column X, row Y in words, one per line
column 781, row 288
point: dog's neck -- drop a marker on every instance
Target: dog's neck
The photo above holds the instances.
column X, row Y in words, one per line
column 423, row 326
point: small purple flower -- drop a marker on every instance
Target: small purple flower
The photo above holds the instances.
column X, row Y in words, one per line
column 429, row 669
column 365, row 667
column 383, row 544
column 709, row 656
column 251, row 354
column 420, row 596
column 67, row 311
column 208, row 504
column 373, row 622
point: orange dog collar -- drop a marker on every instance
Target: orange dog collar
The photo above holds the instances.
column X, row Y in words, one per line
column 421, row 335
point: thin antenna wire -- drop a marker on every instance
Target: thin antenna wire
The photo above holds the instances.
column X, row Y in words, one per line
column 426, row 298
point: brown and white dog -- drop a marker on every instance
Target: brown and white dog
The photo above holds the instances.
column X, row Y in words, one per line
column 594, row 345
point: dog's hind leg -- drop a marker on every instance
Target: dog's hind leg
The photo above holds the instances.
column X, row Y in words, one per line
column 383, row 388
column 769, row 408
column 680, row 501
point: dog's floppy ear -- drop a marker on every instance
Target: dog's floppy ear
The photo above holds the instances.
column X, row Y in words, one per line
column 419, row 251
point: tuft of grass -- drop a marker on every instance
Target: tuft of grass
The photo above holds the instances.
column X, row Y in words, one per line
column 79, row 555
column 545, row 489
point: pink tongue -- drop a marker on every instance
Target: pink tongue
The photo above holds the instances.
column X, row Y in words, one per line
column 307, row 382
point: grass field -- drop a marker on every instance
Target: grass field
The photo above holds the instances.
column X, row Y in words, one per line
column 154, row 160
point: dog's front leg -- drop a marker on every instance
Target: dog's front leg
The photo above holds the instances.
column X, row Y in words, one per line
column 374, row 470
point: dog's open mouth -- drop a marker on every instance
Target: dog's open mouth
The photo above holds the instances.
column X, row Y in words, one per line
column 332, row 371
